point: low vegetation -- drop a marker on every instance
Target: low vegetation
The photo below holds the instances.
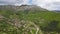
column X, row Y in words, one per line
column 29, row 22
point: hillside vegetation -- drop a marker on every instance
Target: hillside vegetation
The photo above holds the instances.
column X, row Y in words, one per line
column 32, row 21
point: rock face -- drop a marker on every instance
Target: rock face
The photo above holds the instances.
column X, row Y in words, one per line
column 22, row 7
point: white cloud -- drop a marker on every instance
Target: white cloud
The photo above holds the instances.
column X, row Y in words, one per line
column 16, row 2
column 48, row 4
column 25, row 1
column 12, row 1
column 21, row 2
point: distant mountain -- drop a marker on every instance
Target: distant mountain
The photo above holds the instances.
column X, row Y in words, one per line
column 56, row 11
column 22, row 7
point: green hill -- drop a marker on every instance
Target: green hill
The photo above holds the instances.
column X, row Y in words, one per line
column 27, row 19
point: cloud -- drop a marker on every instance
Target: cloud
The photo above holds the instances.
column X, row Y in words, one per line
column 11, row 2
column 48, row 4
column 15, row 2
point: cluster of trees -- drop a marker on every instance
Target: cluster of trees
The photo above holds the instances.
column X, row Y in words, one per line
column 52, row 27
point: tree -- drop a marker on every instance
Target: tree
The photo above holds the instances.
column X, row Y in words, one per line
column 52, row 26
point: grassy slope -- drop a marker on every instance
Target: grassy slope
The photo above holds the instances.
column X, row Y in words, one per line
column 24, row 22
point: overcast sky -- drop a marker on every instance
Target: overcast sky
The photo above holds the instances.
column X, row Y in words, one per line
column 48, row 4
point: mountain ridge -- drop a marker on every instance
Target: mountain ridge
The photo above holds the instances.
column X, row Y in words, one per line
column 22, row 7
